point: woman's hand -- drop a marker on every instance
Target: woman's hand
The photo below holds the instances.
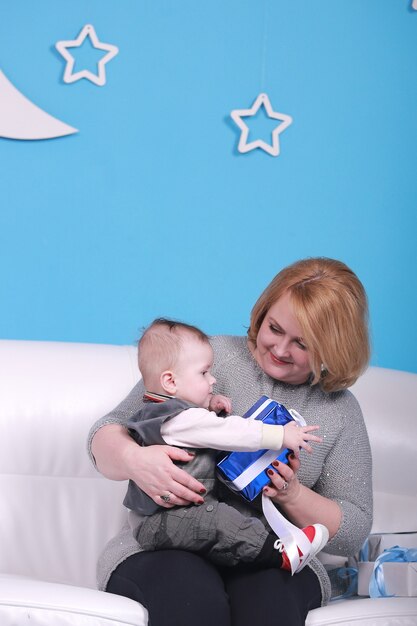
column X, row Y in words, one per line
column 302, row 505
column 118, row 457
column 284, row 486
column 153, row 470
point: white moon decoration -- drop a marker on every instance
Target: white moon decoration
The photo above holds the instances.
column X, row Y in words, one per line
column 20, row 118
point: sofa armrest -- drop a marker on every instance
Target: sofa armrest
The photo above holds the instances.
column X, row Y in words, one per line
column 28, row 601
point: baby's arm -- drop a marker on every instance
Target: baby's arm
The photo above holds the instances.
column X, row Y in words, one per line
column 199, row 428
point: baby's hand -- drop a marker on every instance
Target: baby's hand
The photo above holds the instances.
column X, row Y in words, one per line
column 220, row 403
column 296, row 437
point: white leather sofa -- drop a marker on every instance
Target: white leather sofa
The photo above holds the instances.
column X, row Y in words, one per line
column 57, row 512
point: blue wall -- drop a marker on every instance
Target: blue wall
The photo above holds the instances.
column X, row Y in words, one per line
column 150, row 210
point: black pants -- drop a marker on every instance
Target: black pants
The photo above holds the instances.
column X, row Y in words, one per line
column 182, row 589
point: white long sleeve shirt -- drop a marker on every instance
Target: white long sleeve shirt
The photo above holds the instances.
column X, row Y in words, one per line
column 200, row 428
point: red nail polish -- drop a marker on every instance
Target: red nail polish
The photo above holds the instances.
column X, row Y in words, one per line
column 203, row 491
column 275, row 463
column 270, row 472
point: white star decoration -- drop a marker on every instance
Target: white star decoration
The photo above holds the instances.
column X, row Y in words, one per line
column 244, row 146
column 98, row 79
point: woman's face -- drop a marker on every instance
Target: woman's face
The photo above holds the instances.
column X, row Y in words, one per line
column 280, row 350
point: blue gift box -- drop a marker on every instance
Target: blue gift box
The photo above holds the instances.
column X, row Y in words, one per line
column 245, row 472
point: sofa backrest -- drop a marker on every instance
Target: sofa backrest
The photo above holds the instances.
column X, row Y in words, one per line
column 57, row 512
column 388, row 399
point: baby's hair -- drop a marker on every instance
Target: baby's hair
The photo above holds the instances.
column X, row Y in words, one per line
column 160, row 346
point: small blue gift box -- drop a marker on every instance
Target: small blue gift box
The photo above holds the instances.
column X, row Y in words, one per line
column 245, row 472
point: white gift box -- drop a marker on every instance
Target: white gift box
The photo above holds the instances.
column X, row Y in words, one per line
column 400, row 579
column 376, row 544
column 395, row 577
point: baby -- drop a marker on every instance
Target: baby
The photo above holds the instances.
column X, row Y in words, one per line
column 175, row 360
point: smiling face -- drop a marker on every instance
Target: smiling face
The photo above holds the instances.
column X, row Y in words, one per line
column 192, row 376
column 280, row 350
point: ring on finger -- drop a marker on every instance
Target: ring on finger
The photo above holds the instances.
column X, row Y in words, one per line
column 166, row 497
column 284, row 486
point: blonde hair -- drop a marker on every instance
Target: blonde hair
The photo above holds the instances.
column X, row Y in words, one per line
column 160, row 346
column 330, row 304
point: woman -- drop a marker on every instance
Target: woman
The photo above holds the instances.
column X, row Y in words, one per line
column 307, row 342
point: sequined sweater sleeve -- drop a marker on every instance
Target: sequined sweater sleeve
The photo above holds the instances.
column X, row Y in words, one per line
column 120, row 414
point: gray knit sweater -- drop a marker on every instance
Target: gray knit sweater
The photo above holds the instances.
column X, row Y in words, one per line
column 340, row 468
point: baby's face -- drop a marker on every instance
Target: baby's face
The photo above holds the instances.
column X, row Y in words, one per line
column 193, row 377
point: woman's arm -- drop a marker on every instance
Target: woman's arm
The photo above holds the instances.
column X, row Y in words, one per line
column 342, row 496
column 302, row 505
column 118, row 457
column 110, row 447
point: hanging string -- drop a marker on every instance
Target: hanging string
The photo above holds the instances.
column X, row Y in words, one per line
column 264, row 46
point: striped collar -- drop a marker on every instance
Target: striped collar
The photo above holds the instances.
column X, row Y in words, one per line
column 149, row 396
